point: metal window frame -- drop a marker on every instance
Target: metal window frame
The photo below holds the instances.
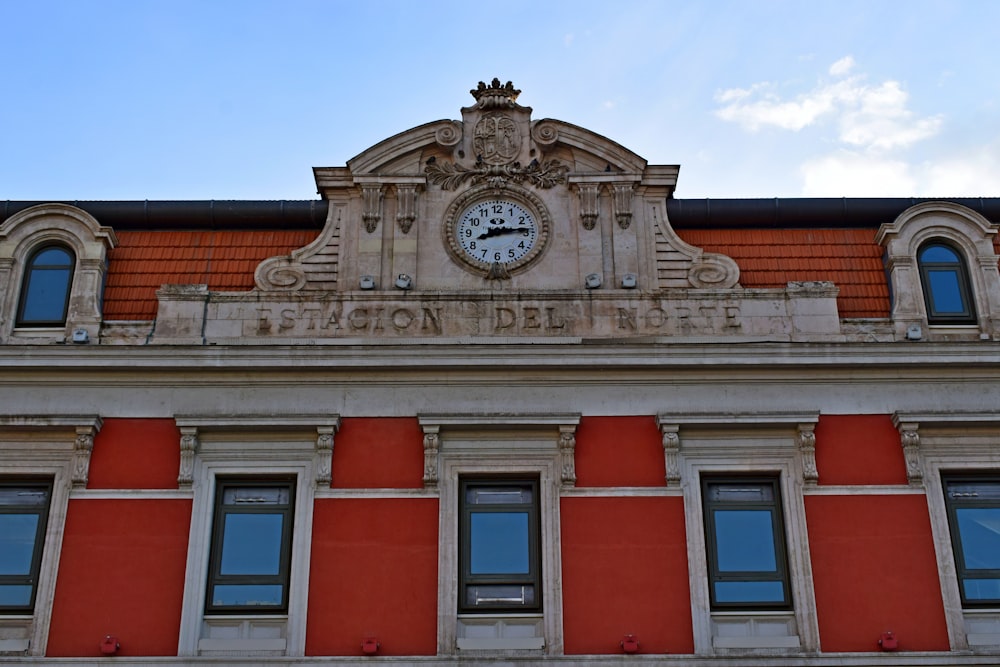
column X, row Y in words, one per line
column 465, row 576
column 30, row 268
column 959, row 268
column 778, row 535
column 219, row 513
column 31, row 579
column 951, row 506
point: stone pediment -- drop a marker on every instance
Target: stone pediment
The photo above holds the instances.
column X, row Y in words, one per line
column 496, row 224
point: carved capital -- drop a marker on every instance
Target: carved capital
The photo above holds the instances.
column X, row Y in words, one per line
column 567, row 455
column 189, row 447
column 372, row 202
column 83, row 446
column 589, row 211
column 324, row 455
column 406, row 207
column 621, row 204
column 671, row 452
column 909, row 438
column 806, row 441
column 432, row 442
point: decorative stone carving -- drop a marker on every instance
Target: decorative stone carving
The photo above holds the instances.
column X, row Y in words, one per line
column 621, row 204
column 372, row 203
column 406, row 207
column 496, row 139
column 909, row 438
column 806, row 441
column 542, row 175
column 432, row 442
column 671, row 452
column 545, row 133
column 567, row 455
column 680, row 264
column 448, row 135
column 324, row 455
column 189, row 447
column 589, row 211
column 495, row 96
column 83, row 446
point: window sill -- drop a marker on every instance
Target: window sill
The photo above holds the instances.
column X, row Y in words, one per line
column 755, row 630
column 515, row 632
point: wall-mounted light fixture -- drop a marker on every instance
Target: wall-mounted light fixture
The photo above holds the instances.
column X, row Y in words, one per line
column 370, row 645
column 888, row 642
column 110, row 645
column 367, row 282
column 592, row 281
column 630, row 644
column 404, row 281
column 81, row 336
column 628, row 281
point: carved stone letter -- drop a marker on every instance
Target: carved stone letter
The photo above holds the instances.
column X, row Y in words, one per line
column 372, row 212
column 83, row 446
column 567, row 455
column 431, row 445
column 671, row 452
column 588, row 204
column 621, row 204
column 189, row 447
column 806, row 441
column 324, row 455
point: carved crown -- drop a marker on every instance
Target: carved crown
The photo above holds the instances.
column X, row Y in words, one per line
column 496, row 96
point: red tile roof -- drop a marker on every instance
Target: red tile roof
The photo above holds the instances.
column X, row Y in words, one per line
column 225, row 261
column 773, row 257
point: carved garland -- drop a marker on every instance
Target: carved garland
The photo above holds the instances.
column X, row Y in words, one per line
column 83, row 446
column 189, row 447
column 542, row 175
column 806, row 440
column 324, row 455
column 431, row 448
column 372, row 213
column 909, row 438
column 589, row 193
column 671, row 452
column 567, row 455
column 406, row 207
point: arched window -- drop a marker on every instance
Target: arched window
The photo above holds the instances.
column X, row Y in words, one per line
column 945, row 285
column 48, row 277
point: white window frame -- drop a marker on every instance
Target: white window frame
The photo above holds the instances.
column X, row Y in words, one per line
column 250, row 447
column 57, row 448
column 948, row 443
column 498, row 446
column 719, row 444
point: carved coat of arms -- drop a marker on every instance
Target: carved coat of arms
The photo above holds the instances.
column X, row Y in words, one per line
column 496, row 139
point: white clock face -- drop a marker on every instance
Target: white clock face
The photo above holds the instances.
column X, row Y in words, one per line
column 496, row 231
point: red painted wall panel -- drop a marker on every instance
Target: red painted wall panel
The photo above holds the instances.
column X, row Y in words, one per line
column 619, row 451
column 378, row 453
column 859, row 449
column 135, row 454
column 624, row 563
column 121, row 573
column 373, row 573
column 874, row 570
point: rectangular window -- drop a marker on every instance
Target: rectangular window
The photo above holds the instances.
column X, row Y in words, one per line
column 24, row 513
column 974, row 518
column 745, row 541
column 251, row 547
column 499, row 563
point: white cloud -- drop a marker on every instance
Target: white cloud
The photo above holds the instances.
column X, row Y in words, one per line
column 871, row 117
column 971, row 175
column 842, row 66
column 568, row 39
column 856, row 175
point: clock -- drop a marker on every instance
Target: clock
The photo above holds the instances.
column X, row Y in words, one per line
column 495, row 234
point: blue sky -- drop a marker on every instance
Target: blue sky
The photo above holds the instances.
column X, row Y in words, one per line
column 147, row 99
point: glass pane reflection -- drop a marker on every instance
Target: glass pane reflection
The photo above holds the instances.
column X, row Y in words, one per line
column 499, row 543
column 251, row 544
column 745, row 541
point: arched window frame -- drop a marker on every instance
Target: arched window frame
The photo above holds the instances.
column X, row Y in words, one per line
column 31, row 268
column 32, row 230
column 958, row 268
column 969, row 234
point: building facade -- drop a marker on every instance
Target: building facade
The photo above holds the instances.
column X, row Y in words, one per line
column 498, row 396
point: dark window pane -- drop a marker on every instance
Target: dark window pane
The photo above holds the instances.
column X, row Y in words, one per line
column 14, row 496
column 749, row 591
column 741, row 492
column 247, row 595
column 15, row 595
column 251, row 544
column 479, row 495
column 501, row 594
column 981, row 589
column 938, row 253
column 45, row 297
column 265, row 495
column 499, row 543
column 17, row 543
column 974, row 491
column 946, row 291
column 979, row 533
column 745, row 541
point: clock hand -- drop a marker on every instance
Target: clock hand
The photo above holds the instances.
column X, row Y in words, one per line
column 501, row 231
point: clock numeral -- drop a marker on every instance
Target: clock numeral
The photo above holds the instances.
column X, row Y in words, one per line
column 520, row 220
column 468, row 232
column 497, row 208
column 474, row 222
column 484, row 252
column 521, row 244
column 483, row 212
column 510, row 253
column 496, row 256
column 472, row 245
